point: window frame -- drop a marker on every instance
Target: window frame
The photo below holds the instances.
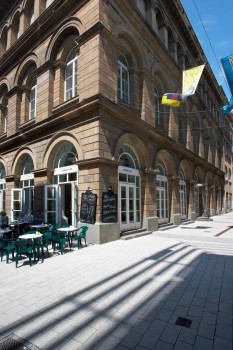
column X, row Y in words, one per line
column 73, row 77
column 122, row 93
column 33, row 99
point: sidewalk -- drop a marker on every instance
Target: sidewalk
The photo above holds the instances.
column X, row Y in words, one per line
column 169, row 290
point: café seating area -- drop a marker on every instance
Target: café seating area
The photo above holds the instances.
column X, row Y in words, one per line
column 30, row 244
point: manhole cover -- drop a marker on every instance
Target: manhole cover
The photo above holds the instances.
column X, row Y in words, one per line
column 184, row 322
column 13, row 342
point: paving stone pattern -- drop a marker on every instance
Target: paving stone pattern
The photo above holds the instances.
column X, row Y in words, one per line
column 127, row 294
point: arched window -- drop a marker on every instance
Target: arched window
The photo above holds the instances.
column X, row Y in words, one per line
column 128, row 158
column 123, row 80
column 180, row 56
column 15, row 28
column 3, row 41
column 157, row 106
column 65, row 157
column 206, row 147
column 3, row 110
column 29, row 13
column 171, row 43
column 160, row 25
column 71, row 74
column 28, row 101
column 226, row 173
column 32, row 100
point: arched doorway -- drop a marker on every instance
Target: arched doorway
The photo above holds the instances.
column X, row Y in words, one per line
column 129, row 190
column 61, row 197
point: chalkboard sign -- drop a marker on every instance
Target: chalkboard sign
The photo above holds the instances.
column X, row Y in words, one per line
column 109, row 207
column 88, row 207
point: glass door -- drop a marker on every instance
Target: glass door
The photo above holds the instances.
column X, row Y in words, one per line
column 162, row 205
column 130, row 217
column 2, row 201
column 51, row 204
column 183, row 202
column 16, row 203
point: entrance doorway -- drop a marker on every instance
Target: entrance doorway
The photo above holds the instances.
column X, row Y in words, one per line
column 162, row 203
column 129, row 190
column 129, row 199
column 162, row 193
column 61, row 204
column 130, row 216
column 61, row 198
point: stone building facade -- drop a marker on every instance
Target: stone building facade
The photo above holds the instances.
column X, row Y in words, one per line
column 81, row 83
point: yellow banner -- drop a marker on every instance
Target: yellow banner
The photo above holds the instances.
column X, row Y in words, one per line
column 191, row 79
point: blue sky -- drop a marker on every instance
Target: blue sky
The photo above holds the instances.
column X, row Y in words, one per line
column 217, row 18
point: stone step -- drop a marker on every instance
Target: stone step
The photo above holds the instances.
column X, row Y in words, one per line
column 204, row 218
column 168, row 226
column 187, row 222
column 134, row 234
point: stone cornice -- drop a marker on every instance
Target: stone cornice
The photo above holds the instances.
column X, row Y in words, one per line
column 97, row 160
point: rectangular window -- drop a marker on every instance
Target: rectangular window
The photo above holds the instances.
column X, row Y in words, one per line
column 32, row 108
column 123, row 83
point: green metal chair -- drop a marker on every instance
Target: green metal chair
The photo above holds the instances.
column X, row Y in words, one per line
column 82, row 235
column 56, row 239
column 45, row 243
column 66, row 235
column 22, row 248
column 7, row 245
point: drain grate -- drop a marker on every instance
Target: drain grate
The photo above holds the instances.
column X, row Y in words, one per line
column 10, row 344
column 184, row 322
column 13, row 342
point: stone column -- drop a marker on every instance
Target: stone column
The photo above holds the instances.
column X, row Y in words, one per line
column 174, row 200
column 2, row 118
column 173, row 131
column 24, row 108
column 99, row 174
column 189, row 141
column 191, row 209
column 9, row 38
column 41, row 178
column 39, row 7
column 58, row 97
column 148, row 200
column 13, row 111
column 45, row 85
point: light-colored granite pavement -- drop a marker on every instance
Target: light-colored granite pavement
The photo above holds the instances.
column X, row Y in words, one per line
column 126, row 294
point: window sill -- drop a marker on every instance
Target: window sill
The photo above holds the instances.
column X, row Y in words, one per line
column 66, row 105
column 27, row 124
column 3, row 136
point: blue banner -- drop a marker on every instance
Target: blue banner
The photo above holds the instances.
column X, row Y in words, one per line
column 227, row 65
